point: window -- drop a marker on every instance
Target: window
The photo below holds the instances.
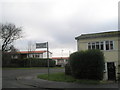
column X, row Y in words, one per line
column 104, row 45
column 93, row 45
column 101, row 46
column 111, row 45
column 89, row 45
column 37, row 55
column 97, row 45
column 33, row 55
column 107, row 45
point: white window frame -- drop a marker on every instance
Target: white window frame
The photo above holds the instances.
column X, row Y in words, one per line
column 113, row 45
column 88, row 45
column 99, row 43
column 109, row 45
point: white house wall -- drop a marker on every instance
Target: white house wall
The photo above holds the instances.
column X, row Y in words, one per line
column 40, row 55
column 45, row 55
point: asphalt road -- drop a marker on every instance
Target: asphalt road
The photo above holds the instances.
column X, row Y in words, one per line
column 11, row 78
column 26, row 78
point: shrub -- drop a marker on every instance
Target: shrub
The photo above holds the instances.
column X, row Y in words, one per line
column 87, row 64
column 67, row 69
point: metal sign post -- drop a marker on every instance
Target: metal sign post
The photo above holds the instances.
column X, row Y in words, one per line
column 44, row 45
column 48, row 59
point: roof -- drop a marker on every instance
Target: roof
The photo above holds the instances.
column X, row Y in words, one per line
column 98, row 35
column 26, row 52
column 60, row 57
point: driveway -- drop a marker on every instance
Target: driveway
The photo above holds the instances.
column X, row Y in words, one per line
column 26, row 78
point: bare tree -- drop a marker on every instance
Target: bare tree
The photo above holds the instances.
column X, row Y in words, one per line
column 9, row 33
column 13, row 49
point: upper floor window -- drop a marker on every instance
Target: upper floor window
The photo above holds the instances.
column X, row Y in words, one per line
column 111, row 45
column 103, row 45
column 107, row 45
column 93, row 45
column 97, row 45
column 89, row 45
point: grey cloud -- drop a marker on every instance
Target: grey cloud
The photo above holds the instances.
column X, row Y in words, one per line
column 45, row 21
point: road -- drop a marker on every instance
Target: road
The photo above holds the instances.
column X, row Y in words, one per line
column 26, row 78
column 11, row 78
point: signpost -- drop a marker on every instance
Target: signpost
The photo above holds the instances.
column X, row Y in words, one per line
column 48, row 59
column 44, row 45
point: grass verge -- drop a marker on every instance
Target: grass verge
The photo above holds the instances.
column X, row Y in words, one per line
column 61, row 77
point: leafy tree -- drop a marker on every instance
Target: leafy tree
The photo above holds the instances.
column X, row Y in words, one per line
column 9, row 33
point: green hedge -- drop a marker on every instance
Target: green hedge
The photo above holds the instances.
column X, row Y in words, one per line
column 6, row 59
column 87, row 64
column 36, row 62
column 68, row 69
column 30, row 62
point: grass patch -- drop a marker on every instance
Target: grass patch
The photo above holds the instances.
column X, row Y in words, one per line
column 61, row 77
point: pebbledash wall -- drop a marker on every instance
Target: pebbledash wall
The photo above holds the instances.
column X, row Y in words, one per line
column 109, row 43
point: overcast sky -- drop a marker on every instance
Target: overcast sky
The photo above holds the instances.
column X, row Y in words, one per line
column 59, row 21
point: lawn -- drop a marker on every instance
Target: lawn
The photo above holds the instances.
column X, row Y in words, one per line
column 61, row 77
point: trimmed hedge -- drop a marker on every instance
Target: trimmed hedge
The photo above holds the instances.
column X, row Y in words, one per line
column 30, row 62
column 68, row 69
column 87, row 64
column 36, row 62
column 6, row 59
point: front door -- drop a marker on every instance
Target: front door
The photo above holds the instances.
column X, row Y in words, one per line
column 111, row 71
